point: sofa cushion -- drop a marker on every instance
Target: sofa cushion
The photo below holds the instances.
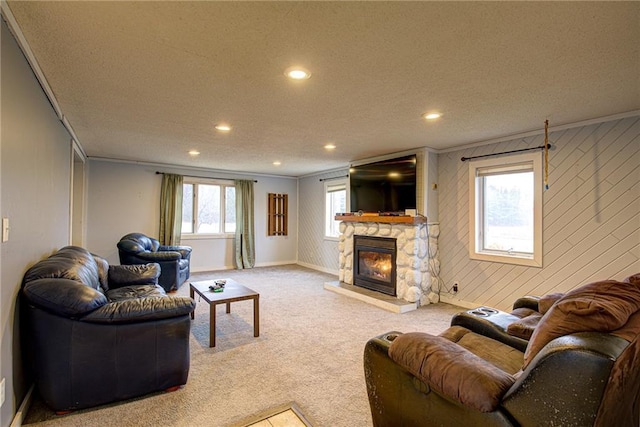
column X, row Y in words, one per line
column 135, row 310
column 502, row 356
column 633, row 279
column 547, row 301
column 522, row 312
column 103, row 271
column 64, row 297
column 135, row 291
column 136, row 274
column 524, row 327
column 596, row 307
column 451, row 370
column 70, row 262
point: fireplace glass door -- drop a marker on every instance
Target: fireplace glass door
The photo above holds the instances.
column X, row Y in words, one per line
column 375, row 263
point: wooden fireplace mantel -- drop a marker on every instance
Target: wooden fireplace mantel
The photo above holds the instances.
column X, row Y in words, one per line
column 405, row 219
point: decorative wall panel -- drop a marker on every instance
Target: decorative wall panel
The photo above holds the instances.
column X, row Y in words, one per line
column 314, row 249
column 591, row 216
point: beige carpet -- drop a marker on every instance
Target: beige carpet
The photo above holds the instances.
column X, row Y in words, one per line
column 309, row 351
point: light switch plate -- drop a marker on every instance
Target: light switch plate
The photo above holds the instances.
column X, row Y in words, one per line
column 5, row 229
column 2, row 392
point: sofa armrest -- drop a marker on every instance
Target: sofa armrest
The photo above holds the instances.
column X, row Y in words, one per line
column 185, row 251
column 141, row 309
column 569, row 374
column 493, row 325
column 63, row 297
column 159, row 256
column 451, row 370
column 527, row 301
column 135, row 274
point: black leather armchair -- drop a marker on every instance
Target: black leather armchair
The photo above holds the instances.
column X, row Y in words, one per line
column 94, row 333
column 137, row 248
column 580, row 368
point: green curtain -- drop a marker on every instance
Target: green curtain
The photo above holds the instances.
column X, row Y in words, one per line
column 171, row 209
column 245, row 240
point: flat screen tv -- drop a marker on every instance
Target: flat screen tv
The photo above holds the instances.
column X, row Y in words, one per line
column 388, row 186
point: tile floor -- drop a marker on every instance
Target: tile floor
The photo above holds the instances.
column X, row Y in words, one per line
column 287, row 418
column 287, row 415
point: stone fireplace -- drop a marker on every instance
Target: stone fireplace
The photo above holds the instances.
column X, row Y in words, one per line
column 416, row 262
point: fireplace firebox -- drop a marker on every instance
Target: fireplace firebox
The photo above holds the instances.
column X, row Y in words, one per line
column 374, row 263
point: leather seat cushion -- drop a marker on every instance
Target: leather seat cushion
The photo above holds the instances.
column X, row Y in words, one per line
column 451, row 369
column 136, row 291
column 547, row 301
column 524, row 327
column 500, row 355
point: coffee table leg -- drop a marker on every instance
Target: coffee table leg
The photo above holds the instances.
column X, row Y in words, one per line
column 193, row 313
column 212, row 325
column 228, row 307
column 256, row 317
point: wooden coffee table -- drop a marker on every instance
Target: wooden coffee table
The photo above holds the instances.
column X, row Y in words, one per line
column 233, row 291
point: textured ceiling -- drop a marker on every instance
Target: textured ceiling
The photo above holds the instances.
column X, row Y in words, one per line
column 147, row 81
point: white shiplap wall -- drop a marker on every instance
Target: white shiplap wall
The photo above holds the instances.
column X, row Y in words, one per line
column 591, row 216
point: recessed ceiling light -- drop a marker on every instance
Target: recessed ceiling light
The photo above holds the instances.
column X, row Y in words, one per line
column 432, row 116
column 277, row 163
column 194, row 152
column 297, row 73
column 223, row 127
column 330, row 147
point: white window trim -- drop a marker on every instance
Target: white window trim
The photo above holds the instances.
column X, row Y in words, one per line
column 327, row 184
column 507, row 162
column 222, row 184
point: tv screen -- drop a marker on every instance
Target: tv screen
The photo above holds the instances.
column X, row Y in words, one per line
column 388, row 186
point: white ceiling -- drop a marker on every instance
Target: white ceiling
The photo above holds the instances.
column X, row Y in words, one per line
column 147, row 81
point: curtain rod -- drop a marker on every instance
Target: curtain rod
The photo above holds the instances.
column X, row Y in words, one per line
column 335, row 177
column 541, row 147
column 195, row 176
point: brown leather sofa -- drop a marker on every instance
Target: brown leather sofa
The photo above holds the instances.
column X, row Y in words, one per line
column 580, row 366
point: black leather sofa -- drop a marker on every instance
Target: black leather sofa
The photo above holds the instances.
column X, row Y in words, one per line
column 579, row 367
column 138, row 248
column 94, row 333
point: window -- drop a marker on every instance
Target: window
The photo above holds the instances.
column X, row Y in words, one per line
column 505, row 216
column 335, row 202
column 208, row 208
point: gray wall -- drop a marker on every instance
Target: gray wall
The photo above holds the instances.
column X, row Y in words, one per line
column 35, row 175
column 591, row 216
column 125, row 198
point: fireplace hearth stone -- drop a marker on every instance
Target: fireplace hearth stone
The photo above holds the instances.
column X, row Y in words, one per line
column 385, row 302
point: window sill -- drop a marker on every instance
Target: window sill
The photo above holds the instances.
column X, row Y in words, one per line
column 332, row 239
column 505, row 259
column 206, row 236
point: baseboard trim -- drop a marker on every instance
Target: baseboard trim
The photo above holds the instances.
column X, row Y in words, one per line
column 233, row 267
column 21, row 414
column 459, row 302
column 317, row 267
